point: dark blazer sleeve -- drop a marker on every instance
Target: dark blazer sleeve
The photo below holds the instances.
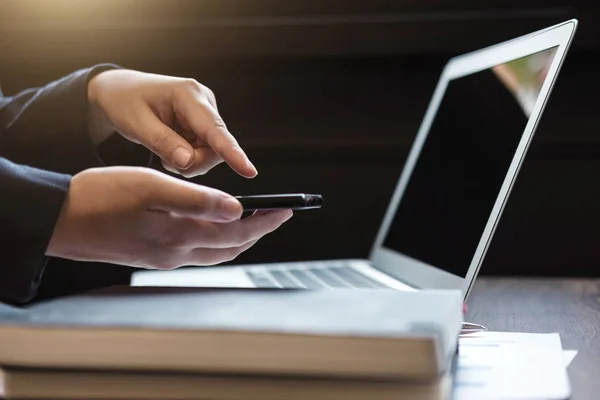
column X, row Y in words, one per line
column 30, row 202
column 46, row 128
column 43, row 142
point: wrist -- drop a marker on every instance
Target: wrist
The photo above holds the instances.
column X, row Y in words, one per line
column 55, row 247
column 99, row 126
column 63, row 242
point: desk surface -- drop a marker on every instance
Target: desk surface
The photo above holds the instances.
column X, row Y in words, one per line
column 570, row 307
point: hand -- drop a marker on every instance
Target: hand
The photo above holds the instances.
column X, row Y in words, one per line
column 176, row 118
column 143, row 218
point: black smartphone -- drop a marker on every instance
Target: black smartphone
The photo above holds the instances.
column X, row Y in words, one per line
column 288, row 201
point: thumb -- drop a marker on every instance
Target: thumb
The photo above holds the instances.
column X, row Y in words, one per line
column 188, row 199
column 165, row 142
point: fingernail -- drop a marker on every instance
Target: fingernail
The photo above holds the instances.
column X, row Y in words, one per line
column 181, row 157
column 249, row 164
column 290, row 214
column 252, row 167
column 231, row 209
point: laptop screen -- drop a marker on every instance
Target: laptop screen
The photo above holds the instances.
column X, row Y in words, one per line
column 463, row 163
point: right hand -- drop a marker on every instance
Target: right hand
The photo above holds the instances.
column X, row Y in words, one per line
column 142, row 218
column 174, row 117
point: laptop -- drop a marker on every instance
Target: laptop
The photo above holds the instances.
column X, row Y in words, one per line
column 454, row 185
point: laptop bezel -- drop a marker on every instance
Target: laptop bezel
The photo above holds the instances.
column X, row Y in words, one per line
column 422, row 275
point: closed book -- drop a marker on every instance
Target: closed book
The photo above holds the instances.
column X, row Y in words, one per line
column 105, row 385
column 372, row 334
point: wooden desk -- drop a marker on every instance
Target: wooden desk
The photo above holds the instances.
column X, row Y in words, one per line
column 570, row 307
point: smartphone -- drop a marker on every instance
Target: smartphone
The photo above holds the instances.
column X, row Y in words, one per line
column 288, row 201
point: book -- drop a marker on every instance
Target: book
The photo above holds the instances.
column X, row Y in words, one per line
column 366, row 334
column 55, row 384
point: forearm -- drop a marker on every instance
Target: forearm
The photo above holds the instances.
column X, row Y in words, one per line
column 56, row 128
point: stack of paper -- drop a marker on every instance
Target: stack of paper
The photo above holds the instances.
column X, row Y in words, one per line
column 502, row 365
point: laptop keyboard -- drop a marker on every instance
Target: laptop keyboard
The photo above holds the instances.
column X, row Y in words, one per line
column 339, row 276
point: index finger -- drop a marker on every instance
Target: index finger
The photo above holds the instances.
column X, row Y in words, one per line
column 206, row 122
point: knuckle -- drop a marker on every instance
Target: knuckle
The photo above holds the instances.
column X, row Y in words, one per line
column 219, row 122
column 191, row 84
column 208, row 92
column 211, row 96
column 205, row 90
column 159, row 141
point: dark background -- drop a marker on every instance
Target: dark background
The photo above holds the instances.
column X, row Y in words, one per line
column 326, row 97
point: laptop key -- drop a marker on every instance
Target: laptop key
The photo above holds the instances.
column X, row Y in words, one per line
column 329, row 278
column 356, row 279
column 283, row 280
column 261, row 280
column 306, row 280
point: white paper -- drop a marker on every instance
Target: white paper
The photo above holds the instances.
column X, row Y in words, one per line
column 510, row 366
column 568, row 356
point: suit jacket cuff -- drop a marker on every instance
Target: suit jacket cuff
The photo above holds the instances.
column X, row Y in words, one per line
column 30, row 204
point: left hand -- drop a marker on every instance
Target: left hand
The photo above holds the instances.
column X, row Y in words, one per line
column 176, row 118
